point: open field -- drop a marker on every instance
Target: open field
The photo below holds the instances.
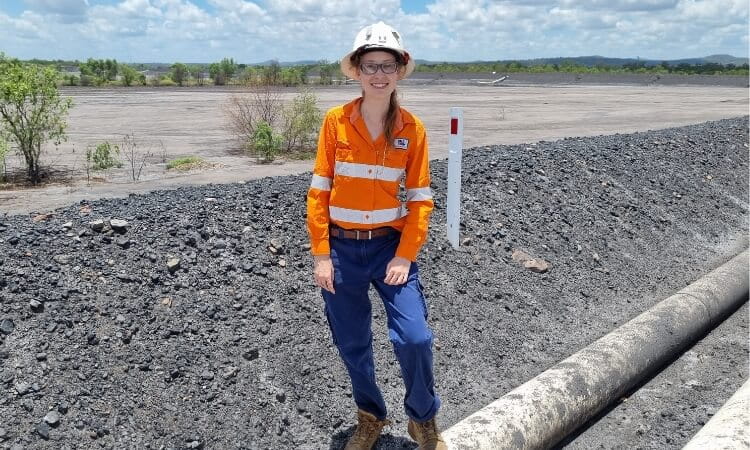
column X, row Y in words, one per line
column 190, row 122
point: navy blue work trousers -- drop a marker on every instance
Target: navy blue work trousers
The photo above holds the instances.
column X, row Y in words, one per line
column 357, row 265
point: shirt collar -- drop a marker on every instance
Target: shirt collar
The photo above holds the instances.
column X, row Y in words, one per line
column 351, row 110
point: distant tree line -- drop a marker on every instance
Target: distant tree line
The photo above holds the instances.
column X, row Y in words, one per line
column 572, row 67
column 108, row 72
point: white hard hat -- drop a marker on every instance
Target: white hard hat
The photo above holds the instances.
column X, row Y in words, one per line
column 377, row 36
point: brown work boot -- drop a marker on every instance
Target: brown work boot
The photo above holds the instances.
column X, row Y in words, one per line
column 427, row 435
column 367, row 432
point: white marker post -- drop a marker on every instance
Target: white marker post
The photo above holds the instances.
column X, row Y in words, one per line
column 455, row 146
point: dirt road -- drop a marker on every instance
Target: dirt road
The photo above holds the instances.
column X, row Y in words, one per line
column 189, row 121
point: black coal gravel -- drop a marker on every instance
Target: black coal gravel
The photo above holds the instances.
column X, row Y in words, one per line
column 188, row 318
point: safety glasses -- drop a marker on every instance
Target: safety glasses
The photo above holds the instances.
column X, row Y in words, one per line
column 372, row 68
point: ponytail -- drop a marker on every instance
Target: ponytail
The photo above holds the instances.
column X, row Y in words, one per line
column 390, row 119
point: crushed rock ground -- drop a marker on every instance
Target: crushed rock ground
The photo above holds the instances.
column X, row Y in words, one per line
column 196, row 324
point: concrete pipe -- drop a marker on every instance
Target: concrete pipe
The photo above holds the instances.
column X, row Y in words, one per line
column 729, row 428
column 542, row 411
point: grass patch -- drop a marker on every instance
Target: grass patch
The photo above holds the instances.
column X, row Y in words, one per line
column 187, row 163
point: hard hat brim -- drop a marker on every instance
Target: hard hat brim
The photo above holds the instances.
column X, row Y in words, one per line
column 351, row 72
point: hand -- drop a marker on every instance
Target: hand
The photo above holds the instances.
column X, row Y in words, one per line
column 323, row 272
column 397, row 271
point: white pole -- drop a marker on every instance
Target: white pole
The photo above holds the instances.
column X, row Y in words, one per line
column 455, row 146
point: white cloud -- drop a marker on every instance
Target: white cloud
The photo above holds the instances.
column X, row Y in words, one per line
column 289, row 30
column 714, row 11
column 239, row 7
column 620, row 5
column 25, row 27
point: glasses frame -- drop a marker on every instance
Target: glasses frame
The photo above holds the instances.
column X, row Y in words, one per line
column 380, row 67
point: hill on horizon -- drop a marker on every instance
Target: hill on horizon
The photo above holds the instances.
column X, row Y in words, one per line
column 588, row 61
column 595, row 60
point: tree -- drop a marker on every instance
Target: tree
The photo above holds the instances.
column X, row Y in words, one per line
column 129, row 75
column 214, row 71
column 228, row 67
column 294, row 76
column 180, row 73
column 326, row 71
column 223, row 71
column 248, row 76
column 100, row 70
column 272, row 74
column 110, row 67
column 31, row 110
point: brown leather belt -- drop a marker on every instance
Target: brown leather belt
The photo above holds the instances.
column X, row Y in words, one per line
column 361, row 234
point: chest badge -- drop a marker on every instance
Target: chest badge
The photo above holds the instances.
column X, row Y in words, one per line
column 401, row 143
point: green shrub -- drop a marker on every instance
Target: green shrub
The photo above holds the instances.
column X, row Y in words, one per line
column 129, row 75
column 301, row 120
column 185, row 163
column 166, row 81
column 265, row 142
column 103, row 156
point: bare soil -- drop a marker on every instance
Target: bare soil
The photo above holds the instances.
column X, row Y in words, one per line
column 174, row 122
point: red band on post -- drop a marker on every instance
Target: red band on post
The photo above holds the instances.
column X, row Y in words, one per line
column 454, row 125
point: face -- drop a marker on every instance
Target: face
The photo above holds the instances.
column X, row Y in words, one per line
column 378, row 84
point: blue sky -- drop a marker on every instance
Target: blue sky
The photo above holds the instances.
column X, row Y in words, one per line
column 439, row 30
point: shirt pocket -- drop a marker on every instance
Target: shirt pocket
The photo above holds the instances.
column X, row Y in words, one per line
column 344, row 152
column 396, row 158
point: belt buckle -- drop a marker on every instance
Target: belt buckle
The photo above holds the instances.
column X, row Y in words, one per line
column 369, row 235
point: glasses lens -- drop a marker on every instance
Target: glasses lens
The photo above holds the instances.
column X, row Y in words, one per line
column 368, row 68
column 389, row 67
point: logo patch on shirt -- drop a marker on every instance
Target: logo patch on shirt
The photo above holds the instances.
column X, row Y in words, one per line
column 401, row 143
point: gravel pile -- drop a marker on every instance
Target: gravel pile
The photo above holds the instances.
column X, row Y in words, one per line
column 188, row 318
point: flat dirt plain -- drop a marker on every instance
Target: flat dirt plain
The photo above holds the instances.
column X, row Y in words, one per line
column 174, row 122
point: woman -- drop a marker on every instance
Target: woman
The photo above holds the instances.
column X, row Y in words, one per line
column 362, row 234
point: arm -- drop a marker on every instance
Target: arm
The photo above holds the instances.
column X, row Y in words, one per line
column 319, row 193
column 418, row 198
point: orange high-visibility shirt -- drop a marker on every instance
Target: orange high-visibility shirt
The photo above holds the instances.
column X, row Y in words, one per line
column 356, row 182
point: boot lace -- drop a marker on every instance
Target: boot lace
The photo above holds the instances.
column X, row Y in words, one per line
column 367, row 431
column 429, row 431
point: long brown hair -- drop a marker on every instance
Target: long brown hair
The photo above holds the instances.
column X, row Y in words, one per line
column 390, row 116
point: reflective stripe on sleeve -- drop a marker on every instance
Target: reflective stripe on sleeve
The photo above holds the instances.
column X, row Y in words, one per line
column 418, row 194
column 322, row 183
column 368, row 171
column 366, row 217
